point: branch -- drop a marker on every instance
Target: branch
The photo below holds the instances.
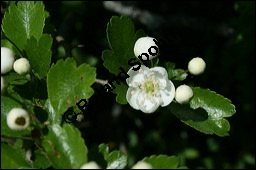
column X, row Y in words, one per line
column 100, row 81
column 17, row 137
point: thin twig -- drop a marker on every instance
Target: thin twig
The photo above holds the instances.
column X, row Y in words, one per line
column 180, row 73
column 17, row 137
column 21, row 52
column 35, row 105
column 100, row 81
column 37, row 121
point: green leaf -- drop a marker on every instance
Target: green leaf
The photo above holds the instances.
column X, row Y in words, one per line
column 121, row 38
column 103, row 148
column 41, row 162
column 12, row 158
column 54, row 118
column 39, row 53
column 162, row 161
column 14, row 78
column 120, row 92
column 216, row 105
column 175, row 74
column 6, row 105
column 68, row 84
column 24, row 20
column 8, row 44
column 207, row 112
column 115, row 159
column 64, row 146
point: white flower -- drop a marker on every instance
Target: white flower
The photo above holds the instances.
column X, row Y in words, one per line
column 90, row 165
column 183, row 94
column 18, row 119
column 146, row 46
column 3, row 85
column 196, row 66
column 149, row 88
column 7, row 60
column 142, row 165
column 21, row 66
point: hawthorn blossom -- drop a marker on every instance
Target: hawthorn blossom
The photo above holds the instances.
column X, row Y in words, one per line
column 149, row 88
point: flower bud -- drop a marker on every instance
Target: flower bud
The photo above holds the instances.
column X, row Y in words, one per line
column 18, row 119
column 146, row 46
column 21, row 66
column 196, row 66
column 90, row 165
column 7, row 60
column 183, row 94
column 142, row 165
column 28, row 156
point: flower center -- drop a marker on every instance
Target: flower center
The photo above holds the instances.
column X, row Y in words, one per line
column 20, row 121
column 150, row 87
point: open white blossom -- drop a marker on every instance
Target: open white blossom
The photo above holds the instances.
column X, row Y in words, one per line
column 142, row 165
column 149, row 88
column 90, row 165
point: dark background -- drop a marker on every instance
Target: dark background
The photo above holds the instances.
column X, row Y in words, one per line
column 222, row 33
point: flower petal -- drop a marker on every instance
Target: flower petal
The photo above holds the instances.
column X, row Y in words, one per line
column 160, row 70
column 136, row 77
column 146, row 105
column 168, row 94
column 163, row 83
column 131, row 97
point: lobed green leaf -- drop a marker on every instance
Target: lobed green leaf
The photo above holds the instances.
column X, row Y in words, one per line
column 12, row 158
column 206, row 112
column 175, row 74
column 68, row 84
column 24, row 20
column 115, row 159
column 39, row 53
column 162, row 161
column 121, row 37
column 40, row 160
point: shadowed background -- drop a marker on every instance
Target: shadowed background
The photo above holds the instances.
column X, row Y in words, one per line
column 222, row 33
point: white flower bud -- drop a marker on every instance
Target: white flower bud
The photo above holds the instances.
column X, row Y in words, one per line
column 18, row 119
column 7, row 60
column 183, row 94
column 28, row 155
column 21, row 66
column 146, row 46
column 196, row 66
column 3, row 85
column 142, row 165
column 90, row 165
